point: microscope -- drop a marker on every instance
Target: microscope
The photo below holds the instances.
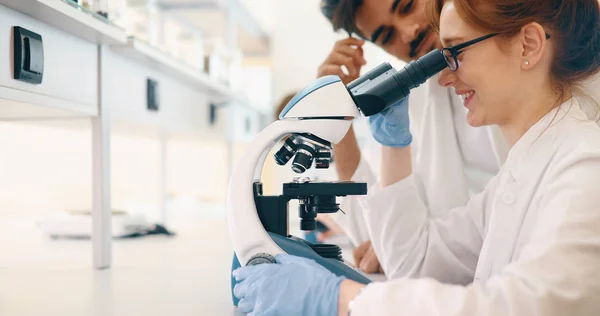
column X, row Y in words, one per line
column 317, row 117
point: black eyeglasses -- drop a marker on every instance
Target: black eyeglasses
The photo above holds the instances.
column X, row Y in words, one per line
column 451, row 53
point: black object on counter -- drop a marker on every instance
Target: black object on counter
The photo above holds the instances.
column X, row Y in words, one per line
column 156, row 229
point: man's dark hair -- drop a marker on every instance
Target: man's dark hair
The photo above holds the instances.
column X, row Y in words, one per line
column 342, row 14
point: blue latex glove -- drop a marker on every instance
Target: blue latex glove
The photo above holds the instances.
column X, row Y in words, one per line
column 292, row 286
column 391, row 127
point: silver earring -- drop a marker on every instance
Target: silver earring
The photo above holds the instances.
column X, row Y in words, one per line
column 527, row 63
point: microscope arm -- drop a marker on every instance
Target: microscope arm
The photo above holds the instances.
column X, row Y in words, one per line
column 248, row 236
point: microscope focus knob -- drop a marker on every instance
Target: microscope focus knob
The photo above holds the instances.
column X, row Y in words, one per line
column 260, row 258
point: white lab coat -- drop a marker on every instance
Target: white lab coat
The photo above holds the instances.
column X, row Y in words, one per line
column 437, row 161
column 530, row 242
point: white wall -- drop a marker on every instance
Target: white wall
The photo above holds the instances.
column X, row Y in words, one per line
column 262, row 11
column 301, row 39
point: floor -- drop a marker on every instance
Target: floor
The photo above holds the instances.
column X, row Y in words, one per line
column 184, row 275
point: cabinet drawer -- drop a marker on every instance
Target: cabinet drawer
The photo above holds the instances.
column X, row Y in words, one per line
column 181, row 107
column 244, row 123
column 70, row 71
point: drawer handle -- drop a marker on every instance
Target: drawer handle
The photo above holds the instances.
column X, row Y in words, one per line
column 152, row 95
column 28, row 55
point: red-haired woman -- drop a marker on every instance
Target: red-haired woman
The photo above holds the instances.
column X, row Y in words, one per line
column 529, row 244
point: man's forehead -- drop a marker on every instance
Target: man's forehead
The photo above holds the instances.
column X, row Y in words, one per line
column 372, row 15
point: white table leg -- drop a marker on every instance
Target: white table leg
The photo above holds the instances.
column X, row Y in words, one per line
column 163, row 178
column 101, row 209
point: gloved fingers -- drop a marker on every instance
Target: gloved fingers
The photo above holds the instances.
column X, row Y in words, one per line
column 375, row 120
column 400, row 104
column 246, row 306
column 241, row 289
column 299, row 262
column 243, row 272
column 284, row 258
column 239, row 274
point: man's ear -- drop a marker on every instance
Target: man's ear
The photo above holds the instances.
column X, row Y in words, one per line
column 533, row 44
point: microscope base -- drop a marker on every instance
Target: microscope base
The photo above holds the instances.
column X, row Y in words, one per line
column 298, row 248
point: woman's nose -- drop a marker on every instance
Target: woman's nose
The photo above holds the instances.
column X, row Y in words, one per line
column 447, row 78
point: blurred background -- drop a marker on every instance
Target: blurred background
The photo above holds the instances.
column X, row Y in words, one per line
column 168, row 167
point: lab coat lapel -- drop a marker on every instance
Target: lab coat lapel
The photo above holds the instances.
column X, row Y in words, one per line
column 499, row 144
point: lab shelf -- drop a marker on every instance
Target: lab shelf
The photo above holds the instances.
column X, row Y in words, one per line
column 67, row 18
column 213, row 18
column 155, row 59
column 182, row 107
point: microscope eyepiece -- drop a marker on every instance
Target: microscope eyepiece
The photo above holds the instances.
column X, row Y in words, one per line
column 418, row 71
column 384, row 86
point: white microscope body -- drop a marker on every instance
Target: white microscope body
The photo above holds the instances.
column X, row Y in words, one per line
column 324, row 109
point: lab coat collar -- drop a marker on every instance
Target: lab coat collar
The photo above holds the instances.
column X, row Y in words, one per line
column 499, row 144
column 542, row 133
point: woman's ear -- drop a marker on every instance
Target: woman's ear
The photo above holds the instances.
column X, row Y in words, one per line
column 533, row 42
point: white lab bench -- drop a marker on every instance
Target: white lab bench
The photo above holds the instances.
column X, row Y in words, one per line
column 153, row 276
column 93, row 70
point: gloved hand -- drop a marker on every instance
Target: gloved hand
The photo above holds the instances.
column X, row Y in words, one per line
column 292, row 286
column 391, row 127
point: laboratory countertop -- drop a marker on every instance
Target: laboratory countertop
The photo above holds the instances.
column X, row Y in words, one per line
column 184, row 275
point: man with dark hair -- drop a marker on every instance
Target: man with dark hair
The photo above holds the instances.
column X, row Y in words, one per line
column 471, row 156
column 400, row 27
